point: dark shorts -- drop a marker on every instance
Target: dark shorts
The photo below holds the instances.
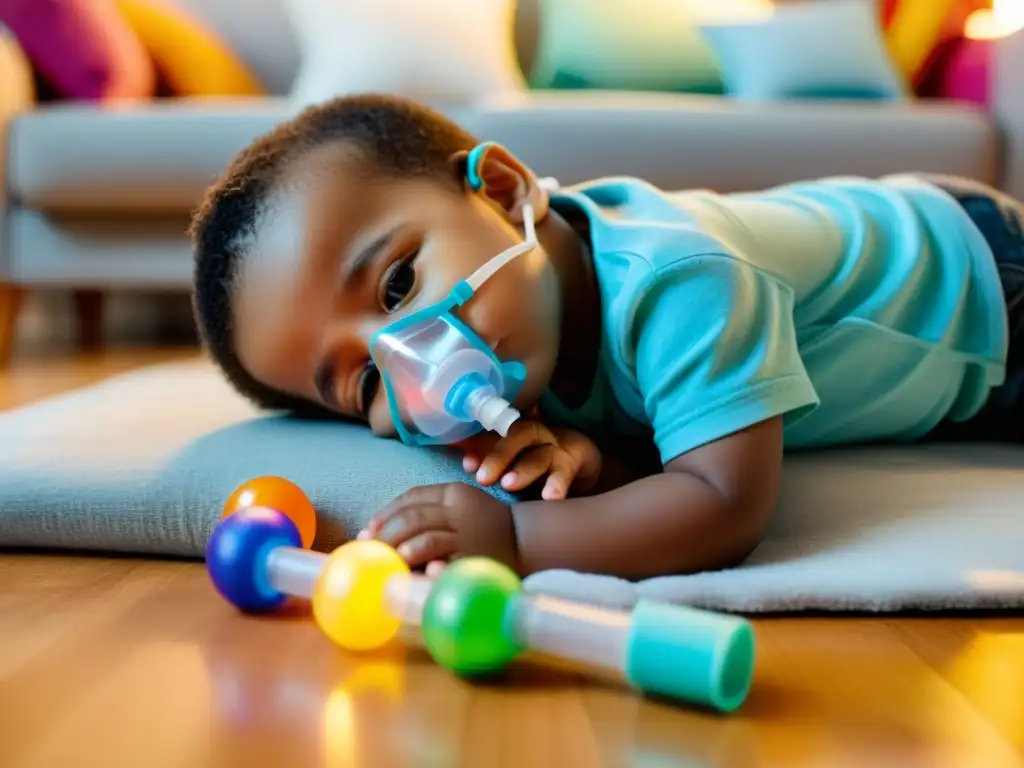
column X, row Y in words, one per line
column 1001, row 220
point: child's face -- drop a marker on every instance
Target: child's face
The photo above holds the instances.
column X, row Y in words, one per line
column 344, row 252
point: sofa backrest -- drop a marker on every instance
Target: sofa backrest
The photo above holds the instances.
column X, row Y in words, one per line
column 259, row 32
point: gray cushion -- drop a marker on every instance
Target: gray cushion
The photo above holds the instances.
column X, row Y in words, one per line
column 160, row 157
column 143, row 463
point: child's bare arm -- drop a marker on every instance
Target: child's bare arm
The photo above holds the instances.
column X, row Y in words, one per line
column 708, row 510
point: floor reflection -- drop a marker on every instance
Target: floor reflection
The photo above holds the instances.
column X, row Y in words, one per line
column 990, row 669
column 361, row 711
column 317, row 705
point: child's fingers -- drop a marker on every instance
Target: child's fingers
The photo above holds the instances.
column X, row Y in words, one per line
column 473, row 448
column 419, row 496
column 528, row 468
column 500, row 459
column 555, row 489
column 428, row 547
column 563, row 472
column 587, row 459
column 412, row 522
column 508, row 448
column 434, row 568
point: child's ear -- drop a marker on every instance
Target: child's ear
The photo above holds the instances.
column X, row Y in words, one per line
column 498, row 175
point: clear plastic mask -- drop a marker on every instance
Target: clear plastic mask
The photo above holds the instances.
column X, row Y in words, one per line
column 443, row 382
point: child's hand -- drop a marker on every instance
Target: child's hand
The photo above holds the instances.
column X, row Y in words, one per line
column 531, row 451
column 432, row 524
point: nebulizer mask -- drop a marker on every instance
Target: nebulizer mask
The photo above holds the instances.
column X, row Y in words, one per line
column 443, row 382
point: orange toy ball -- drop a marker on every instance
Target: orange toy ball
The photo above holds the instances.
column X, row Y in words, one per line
column 280, row 494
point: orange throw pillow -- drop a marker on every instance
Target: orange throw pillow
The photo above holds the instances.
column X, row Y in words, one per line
column 192, row 59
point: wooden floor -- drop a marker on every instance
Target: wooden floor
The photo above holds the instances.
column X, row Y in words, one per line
column 112, row 662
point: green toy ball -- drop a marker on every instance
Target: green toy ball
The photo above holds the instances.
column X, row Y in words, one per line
column 466, row 617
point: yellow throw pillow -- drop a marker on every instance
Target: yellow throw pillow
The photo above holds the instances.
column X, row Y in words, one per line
column 191, row 58
column 915, row 29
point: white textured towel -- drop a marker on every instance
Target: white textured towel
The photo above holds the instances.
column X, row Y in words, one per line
column 142, row 463
column 876, row 530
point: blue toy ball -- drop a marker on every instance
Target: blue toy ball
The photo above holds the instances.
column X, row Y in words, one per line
column 236, row 556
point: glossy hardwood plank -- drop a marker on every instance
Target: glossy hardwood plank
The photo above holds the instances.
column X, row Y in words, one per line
column 124, row 662
column 984, row 660
column 32, row 378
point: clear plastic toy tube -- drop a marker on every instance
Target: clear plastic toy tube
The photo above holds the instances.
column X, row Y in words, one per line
column 475, row 617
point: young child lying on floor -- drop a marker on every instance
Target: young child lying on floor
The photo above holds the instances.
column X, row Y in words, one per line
column 716, row 329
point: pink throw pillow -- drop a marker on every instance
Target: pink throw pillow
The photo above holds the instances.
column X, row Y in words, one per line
column 962, row 69
column 81, row 49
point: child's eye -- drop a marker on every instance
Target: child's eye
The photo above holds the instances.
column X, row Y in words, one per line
column 398, row 282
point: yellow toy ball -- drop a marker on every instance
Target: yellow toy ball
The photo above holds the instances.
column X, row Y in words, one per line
column 348, row 600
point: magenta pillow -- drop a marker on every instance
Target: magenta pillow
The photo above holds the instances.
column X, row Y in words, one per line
column 81, row 49
column 960, row 69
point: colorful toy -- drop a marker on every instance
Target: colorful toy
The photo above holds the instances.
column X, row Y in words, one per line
column 475, row 617
column 280, row 494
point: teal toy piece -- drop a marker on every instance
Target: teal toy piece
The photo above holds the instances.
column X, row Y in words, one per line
column 697, row 656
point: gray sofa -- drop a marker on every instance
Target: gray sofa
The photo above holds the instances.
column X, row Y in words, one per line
column 99, row 199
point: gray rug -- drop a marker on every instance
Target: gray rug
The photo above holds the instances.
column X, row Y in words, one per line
column 143, row 462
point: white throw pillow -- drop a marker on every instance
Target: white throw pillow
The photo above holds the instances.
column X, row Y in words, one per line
column 435, row 51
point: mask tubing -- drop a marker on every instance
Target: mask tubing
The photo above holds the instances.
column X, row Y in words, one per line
column 485, row 272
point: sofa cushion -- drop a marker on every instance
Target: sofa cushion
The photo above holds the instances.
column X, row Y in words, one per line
column 161, row 157
column 157, row 157
column 135, row 252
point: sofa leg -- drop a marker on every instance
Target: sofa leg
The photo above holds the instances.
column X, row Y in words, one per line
column 10, row 306
column 89, row 305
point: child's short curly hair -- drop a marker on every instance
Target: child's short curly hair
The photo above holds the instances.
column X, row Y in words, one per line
column 396, row 136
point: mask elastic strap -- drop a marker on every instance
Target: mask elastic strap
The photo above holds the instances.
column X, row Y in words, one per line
column 484, row 273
